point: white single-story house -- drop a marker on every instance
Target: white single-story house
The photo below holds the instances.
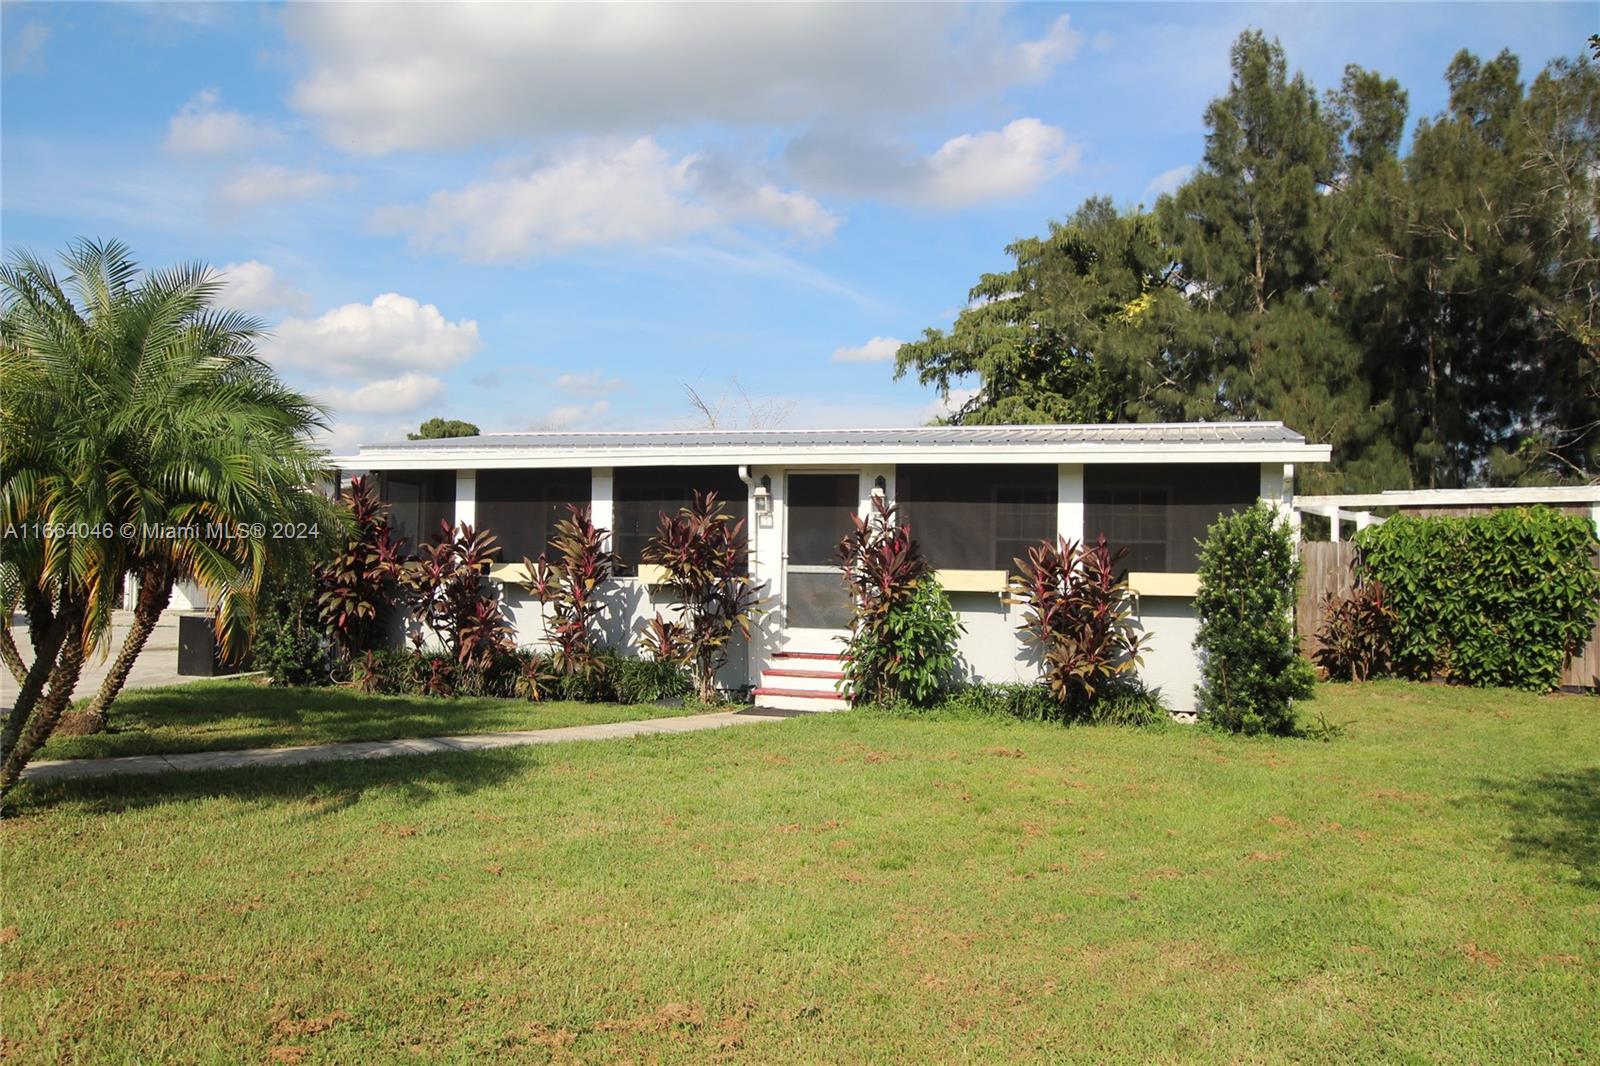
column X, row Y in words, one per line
column 975, row 497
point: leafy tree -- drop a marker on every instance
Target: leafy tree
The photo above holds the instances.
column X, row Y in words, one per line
column 129, row 407
column 1434, row 316
column 443, row 428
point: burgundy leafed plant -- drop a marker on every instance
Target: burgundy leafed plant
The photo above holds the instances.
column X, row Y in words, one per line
column 454, row 597
column 1080, row 615
column 570, row 587
column 902, row 632
column 1356, row 637
column 702, row 549
column 361, row 582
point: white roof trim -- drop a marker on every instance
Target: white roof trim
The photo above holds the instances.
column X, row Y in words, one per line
column 1505, row 497
column 379, row 458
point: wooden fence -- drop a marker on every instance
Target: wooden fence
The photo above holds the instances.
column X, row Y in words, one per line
column 1328, row 567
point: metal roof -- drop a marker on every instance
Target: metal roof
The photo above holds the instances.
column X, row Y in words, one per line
column 1126, row 442
column 1142, row 433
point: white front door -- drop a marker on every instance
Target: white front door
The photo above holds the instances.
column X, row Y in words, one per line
column 816, row 603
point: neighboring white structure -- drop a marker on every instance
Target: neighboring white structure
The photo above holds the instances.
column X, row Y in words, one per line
column 975, row 497
column 1358, row 507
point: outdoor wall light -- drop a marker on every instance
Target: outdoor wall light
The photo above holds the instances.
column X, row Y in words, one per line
column 880, row 487
column 763, row 495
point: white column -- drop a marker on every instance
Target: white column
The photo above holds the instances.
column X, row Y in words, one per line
column 1594, row 517
column 466, row 497
column 1335, row 520
column 1069, row 501
column 602, row 507
column 869, row 476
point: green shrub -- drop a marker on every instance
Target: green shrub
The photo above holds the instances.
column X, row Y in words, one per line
column 291, row 642
column 1124, row 701
column 1251, row 667
column 650, row 680
column 1495, row 599
column 903, row 632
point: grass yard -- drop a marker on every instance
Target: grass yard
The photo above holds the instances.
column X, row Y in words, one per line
column 246, row 713
column 843, row 888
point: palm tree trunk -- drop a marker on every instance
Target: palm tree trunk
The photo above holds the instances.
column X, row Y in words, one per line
column 13, row 658
column 29, row 724
column 155, row 592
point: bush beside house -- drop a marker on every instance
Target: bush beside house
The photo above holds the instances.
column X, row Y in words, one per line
column 1251, row 669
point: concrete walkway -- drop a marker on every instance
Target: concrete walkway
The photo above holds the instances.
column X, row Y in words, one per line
column 50, row 770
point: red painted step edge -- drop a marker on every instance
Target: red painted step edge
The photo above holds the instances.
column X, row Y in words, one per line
column 800, row 692
column 806, row 655
column 823, row 675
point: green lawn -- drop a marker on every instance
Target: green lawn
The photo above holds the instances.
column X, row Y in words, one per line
column 246, row 713
column 843, row 888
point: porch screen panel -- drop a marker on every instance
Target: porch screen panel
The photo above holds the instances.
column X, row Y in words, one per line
column 641, row 494
column 977, row 517
column 418, row 501
column 521, row 507
column 1161, row 512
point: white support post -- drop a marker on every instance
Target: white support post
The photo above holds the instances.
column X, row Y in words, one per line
column 869, row 478
column 1363, row 520
column 466, row 497
column 602, row 508
column 1069, row 501
column 1335, row 517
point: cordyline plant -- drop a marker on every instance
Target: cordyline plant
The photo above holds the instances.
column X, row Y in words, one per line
column 902, row 631
column 571, row 589
column 363, row 579
column 1080, row 615
column 1356, row 637
column 666, row 641
column 702, row 548
column 454, row 597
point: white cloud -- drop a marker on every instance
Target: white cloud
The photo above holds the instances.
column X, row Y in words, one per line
column 876, row 350
column 573, row 416
column 969, row 169
column 419, row 76
column 1168, row 181
column 24, row 48
column 1038, row 58
column 590, row 383
column 264, row 183
column 255, row 286
column 202, row 127
column 386, row 396
column 357, row 341
column 599, row 193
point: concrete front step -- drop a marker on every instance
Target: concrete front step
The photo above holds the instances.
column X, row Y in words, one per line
column 824, row 675
column 796, row 699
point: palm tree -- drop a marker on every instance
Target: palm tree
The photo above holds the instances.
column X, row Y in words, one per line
column 139, row 432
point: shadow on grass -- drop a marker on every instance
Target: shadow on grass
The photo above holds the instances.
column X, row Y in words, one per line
column 1556, row 817
column 215, row 716
column 415, row 779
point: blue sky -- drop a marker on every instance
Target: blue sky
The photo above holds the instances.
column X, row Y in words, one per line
column 542, row 217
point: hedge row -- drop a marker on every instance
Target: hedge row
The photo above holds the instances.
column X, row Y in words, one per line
column 1495, row 599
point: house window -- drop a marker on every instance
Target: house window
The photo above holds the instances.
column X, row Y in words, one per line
column 521, row 507
column 1160, row 513
column 976, row 516
column 419, row 501
column 642, row 494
